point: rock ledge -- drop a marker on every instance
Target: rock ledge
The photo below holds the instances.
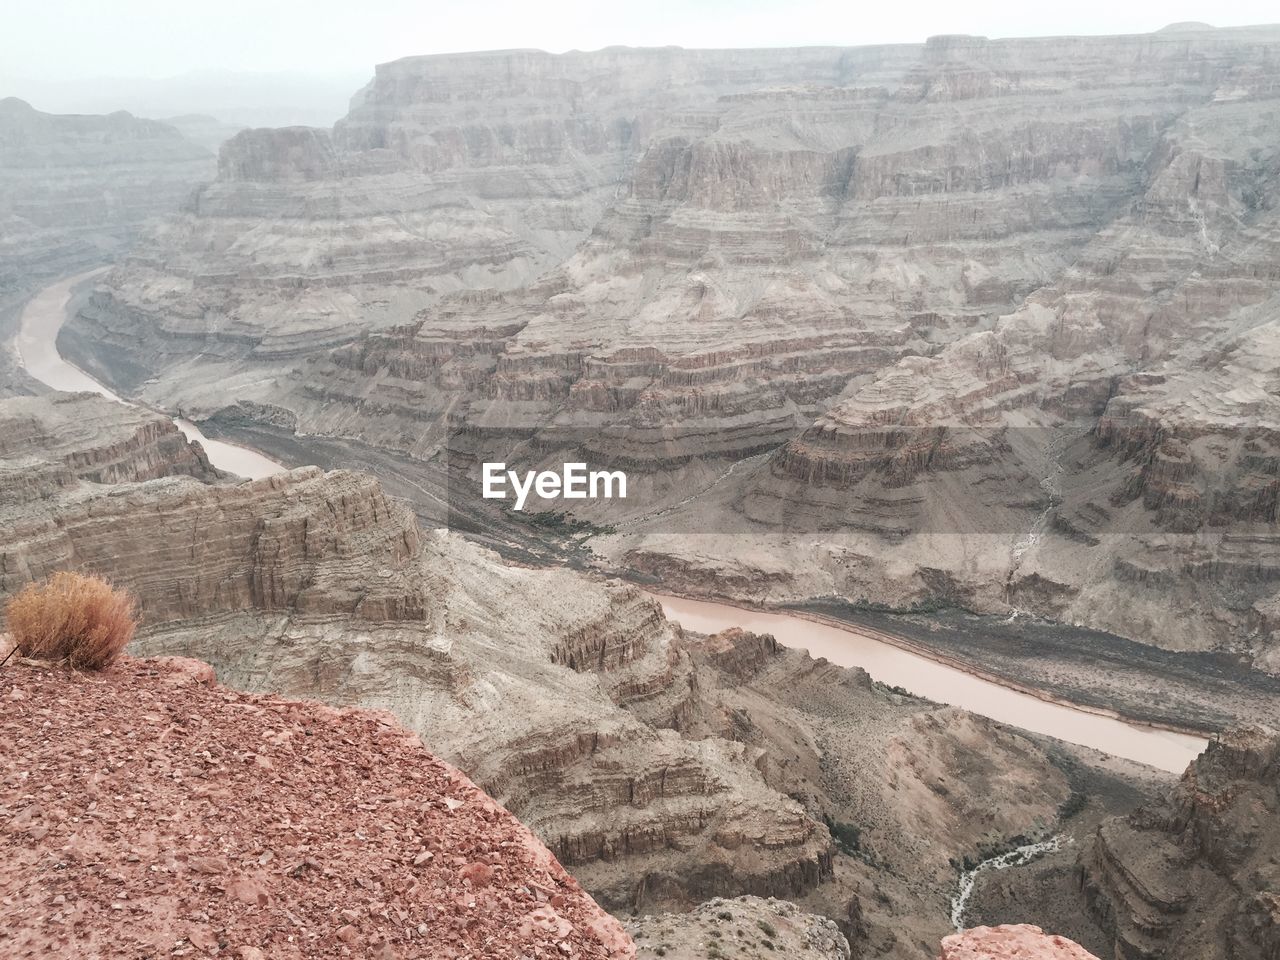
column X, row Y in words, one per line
column 173, row 816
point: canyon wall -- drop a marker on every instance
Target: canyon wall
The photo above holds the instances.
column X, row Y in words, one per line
column 1196, row 873
column 662, row 769
column 75, row 190
column 989, row 317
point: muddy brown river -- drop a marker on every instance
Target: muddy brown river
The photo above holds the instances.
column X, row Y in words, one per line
column 848, row 647
column 36, row 344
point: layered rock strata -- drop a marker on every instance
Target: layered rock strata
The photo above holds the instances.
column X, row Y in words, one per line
column 69, row 437
column 661, row 769
column 904, row 792
column 1198, row 873
column 949, row 288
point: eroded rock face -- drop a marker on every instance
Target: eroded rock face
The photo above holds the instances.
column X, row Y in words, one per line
column 1018, row 941
column 1197, row 874
column 58, row 440
column 996, row 311
column 556, row 693
column 73, row 469
column 1112, row 440
column 75, row 189
column 265, row 840
column 662, row 769
column 741, row 928
column 904, row 791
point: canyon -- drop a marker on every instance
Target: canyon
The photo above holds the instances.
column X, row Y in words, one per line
column 661, row 767
column 1191, row 871
column 895, row 660
column 970, row 323
column 1195, row 869
column 75, row 192
column 944, row 381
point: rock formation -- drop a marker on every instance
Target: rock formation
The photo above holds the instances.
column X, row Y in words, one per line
column 1010, row 942
column 69, row 437
column 662, row 769
column 1108, row 444
column 741, row 928
column 1198, row 873
column 994, row 314
column 74, row 192
column 185, row 817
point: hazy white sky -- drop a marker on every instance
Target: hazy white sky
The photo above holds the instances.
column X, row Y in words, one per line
column 75, row 39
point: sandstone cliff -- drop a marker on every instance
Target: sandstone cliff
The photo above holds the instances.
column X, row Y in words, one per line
column 1197, row 873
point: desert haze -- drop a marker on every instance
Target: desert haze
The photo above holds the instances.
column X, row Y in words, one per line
column 937, row 615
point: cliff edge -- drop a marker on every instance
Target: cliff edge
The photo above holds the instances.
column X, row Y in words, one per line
column 148, row 811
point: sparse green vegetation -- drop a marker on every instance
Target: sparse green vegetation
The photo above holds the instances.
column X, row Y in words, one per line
column 848, row 836
column 887, row 688
column 561, row 524
column 927, row 605
column 1072, row 805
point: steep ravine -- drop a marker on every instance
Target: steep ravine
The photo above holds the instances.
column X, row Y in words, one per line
column 43, row 318
column 661, row 767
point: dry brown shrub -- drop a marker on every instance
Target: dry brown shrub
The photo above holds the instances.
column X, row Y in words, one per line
column 74, row 617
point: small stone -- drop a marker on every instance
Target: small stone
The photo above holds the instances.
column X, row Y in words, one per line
column 201, row 937
column 208, row 865
column 348, row 934
column 248, row 891
column 477, row 874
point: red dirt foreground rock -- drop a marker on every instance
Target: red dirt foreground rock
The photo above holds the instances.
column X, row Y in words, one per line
column 1019, row 941
column 148, row 812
